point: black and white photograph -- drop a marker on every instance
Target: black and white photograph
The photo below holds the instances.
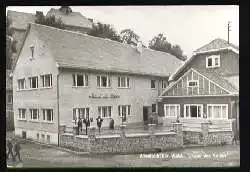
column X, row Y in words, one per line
column 122, row 86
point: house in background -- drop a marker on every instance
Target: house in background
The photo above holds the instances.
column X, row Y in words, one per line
column 61, row 76
column 74, row 21
column 206, row 87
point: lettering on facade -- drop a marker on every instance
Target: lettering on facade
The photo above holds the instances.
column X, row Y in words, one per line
column 104, row 96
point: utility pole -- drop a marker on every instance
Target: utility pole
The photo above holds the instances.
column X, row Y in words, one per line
column 228, row 30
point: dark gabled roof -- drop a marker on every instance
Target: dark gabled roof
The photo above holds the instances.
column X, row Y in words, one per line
column 216, row 44
column 20, row 20
column 219, row 79
column 71, row 19
column 8, row 80
column 76, row 50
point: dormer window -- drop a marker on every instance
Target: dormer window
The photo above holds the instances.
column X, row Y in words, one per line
column 213, row 61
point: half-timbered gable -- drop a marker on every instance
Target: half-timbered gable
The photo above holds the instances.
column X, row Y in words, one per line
column 193, row 83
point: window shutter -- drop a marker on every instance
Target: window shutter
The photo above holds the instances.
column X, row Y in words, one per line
column 86, row 80
column 74, row 80
column 127, row 82
column 109, row 82
column 98, row 81
column 119, row 80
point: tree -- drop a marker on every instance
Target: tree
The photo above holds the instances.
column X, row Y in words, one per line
column 104, row 31
column 49, row 21
column 129, row 36
column 10, row 44
column 160, row 43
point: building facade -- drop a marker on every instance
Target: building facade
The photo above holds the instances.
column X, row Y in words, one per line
column 62, row 75
column 206, row 87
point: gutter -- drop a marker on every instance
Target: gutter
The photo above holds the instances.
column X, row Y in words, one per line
column 58, row 113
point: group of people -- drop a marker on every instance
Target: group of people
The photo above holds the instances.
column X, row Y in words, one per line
column 17, row 149
column 86, row 121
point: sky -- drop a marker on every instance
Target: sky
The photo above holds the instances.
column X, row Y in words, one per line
column 188, row 26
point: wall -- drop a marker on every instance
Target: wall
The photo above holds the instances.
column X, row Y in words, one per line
column 43, row 63
column 122, row 143
column 229, row 63
column 138, row 95
column 193, row 100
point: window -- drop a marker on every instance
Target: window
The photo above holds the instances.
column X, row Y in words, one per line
column 153, row 84
column 171, row 110
column 192, row 83
column 104, row 111
column 217, row 111
column 164, row 84
column 21, row 114
column 154, row 108
column 48, row 138
column 10, row 99
column 43, row 137
column 213, row 61
column 103, row 81
column 37, row 136
column 48, row 115
column 21, row 84
column 46, row 80
column 193, row 111
column 34, row 114
column 80, row 113
column 123, row 82
column 33, row 82
column 124, row 110
column 80, row 80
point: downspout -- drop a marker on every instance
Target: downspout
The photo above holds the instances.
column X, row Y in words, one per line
column 58, row 114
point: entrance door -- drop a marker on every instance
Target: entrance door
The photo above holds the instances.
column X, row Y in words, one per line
column 145, row 114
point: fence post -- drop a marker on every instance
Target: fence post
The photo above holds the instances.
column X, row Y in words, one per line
column 204, row 131
column 177, row 126
column 91, row 138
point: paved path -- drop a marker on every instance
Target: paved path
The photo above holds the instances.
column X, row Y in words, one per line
column 35, row 155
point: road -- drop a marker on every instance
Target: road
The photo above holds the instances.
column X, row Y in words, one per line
column 35, row 155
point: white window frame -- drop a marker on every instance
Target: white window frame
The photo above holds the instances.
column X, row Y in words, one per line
column 221, row 105
column 31, row 114
column 45, row 115
column 128, row 110
column 77, row 113
column 99, row 84
column 21, row 114
column 101, row 111
column 30, row 81
column 151, row 84
column 19, row 83
column 85, row 80
column 43, row 80
column 197, row 85
column 127, row 82
column 189, row 117
column 177, row 106
column 213, row 57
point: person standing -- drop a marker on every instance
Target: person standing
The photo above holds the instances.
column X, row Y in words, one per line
column 10, row 151
column 79, row 125
column 99, row 122
column 17, row 148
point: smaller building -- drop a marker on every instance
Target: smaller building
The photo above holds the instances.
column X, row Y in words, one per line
column 206, row 87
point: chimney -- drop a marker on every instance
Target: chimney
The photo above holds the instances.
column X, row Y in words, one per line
column 139, row 46
column 39, row 13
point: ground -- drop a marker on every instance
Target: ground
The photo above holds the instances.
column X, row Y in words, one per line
column 35, row 155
